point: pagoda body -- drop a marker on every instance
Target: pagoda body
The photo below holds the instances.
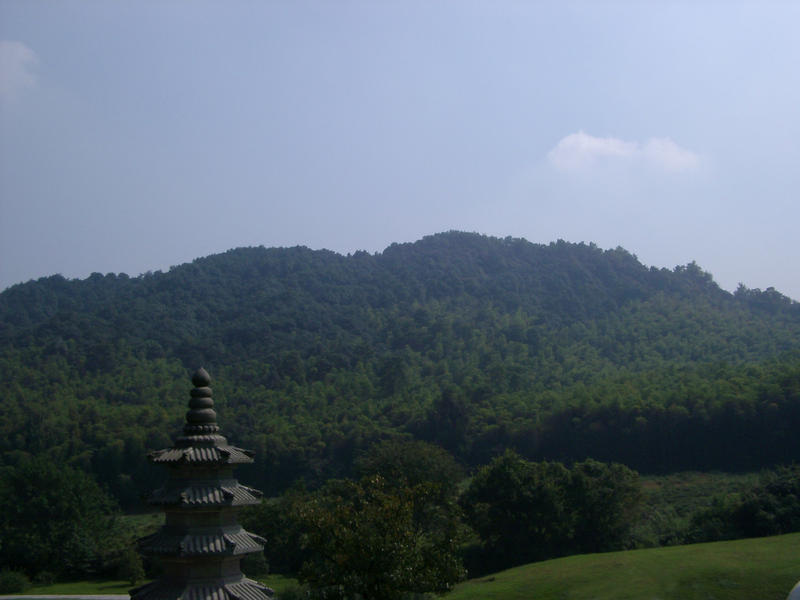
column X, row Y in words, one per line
column 201, row 543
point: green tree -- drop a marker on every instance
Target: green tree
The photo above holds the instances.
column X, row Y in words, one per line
column 772, row 507
column 520, row 509
column 448, row 420
column 526, row 511
column 408, row 463
column 13, row 582
column 373, row 541
column 55, row 517
column 131, row 568
column 605, row 500
column 276, row 519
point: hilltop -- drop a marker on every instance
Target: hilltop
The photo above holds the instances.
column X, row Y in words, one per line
column 561, row 351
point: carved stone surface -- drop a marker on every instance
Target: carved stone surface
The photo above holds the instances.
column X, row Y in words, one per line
column 201, row 543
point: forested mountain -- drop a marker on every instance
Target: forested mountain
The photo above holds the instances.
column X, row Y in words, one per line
column 561, row 351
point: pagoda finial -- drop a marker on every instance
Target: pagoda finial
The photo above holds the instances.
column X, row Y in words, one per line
column 201, row 419
column 201, row 378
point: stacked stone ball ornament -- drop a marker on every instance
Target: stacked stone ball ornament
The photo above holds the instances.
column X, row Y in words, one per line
column 201, row 543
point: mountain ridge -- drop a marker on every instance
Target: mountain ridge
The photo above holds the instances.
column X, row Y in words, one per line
column 15, row 298
column 561, row 351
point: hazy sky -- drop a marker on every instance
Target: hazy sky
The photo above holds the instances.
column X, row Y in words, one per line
column 139, row 135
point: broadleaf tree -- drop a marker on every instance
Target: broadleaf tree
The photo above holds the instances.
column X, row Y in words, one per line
column 373, row 541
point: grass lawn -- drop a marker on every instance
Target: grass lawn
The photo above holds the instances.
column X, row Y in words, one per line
column 102, row 587
column 91, row 588
column 142, row 524
column 753, row 569
column 279, row 583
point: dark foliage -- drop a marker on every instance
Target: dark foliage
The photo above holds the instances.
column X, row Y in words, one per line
column 408, row 463
column 276, row 520
column 527, row 511
column 407, row 469
column 770, row 508
column 53, row 517
column 370, row 539
column 376, row 541
column 13, row 582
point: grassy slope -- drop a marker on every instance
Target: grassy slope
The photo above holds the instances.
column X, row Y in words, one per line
column 763, row 569
column 90, row 588
column 277, row 582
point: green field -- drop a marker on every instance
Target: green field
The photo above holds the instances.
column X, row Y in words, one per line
column 72, row 588
column 753, row 569
column 103, row 587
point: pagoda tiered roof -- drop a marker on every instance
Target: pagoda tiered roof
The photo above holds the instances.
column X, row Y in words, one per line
column 194, row 455
column 206, row 495
column 234, row 542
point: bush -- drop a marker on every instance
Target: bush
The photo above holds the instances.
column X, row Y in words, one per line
column 770, row 508
column 131, row 568
column 44, row 578
column 254, row 565
column 369, row 539
column 526, row 511
column 276, row 520
column 296, row 592
column 55, row 517
column 12, row 582
column 406, row 463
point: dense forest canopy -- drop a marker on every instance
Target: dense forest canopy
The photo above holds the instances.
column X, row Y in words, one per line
column 477, row 344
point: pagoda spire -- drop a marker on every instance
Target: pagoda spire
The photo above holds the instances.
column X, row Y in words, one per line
column 201, row 543
column 201, row 418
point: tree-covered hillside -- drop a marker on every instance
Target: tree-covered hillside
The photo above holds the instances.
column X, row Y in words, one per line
column 560, row 351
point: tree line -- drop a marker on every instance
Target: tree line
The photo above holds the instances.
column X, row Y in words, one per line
column 408, row 522
column 404, row 525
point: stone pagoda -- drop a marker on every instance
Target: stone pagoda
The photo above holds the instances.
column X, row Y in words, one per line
column 201, row 543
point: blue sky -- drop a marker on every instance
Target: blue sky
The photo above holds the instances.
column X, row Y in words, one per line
column 139, row 135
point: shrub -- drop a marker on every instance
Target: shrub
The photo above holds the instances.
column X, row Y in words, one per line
column 296, row 592
column 44, row 578
column 55, row 517
column 255, row 564
column 131, row 568
column 12, row 582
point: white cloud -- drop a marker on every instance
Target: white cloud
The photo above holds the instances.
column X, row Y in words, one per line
column 666, row 154
column 581, row 151
column 17, row 63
